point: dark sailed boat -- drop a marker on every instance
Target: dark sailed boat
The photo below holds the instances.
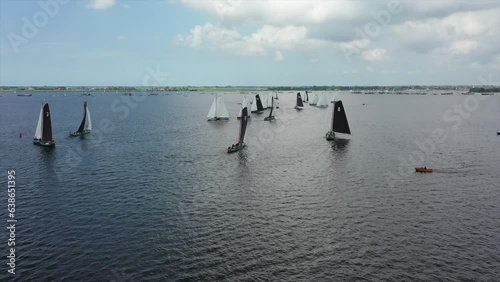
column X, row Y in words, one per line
column 307, row 98
column 299, row 105
column 257, row 105
column 43, row 132
column 243, row 127
column 339, row 121
column 82, row 130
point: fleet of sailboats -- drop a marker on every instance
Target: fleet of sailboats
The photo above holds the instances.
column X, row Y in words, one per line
column 85, row 125
column 218, row 111
column 43, row 132
column 339, row 121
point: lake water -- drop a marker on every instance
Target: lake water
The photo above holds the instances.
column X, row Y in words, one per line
column 152, row 195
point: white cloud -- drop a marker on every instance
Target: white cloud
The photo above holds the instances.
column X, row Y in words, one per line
column 458, row 32
column 258, row 43
column 278, row 56
column 277, row 12
column 463, row 46
column 374, row 55
column 100, row 4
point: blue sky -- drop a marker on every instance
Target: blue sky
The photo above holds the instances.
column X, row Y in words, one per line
column 243, row 42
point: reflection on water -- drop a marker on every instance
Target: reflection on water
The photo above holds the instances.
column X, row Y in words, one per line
column 340, row 144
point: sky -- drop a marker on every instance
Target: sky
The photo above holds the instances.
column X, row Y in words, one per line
column 249, row 42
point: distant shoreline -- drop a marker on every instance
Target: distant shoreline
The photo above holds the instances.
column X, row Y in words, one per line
column 356, row 89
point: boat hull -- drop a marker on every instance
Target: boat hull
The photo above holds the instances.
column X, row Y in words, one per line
column 271, row 118
column 298, row 108
column 234, row 149
column 76, row 133
column 423, row 169
column 330, row 135
column 48, row 144
column 498, row 133
column 218, row 118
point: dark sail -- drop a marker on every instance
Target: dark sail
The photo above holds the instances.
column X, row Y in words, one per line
column 276, row 95
column 339, row 122
column 259, row 103
column 299, row 100
column 82, row 125
column 272, row 107
column 46, row 124
column 307, row 97
column 243, row 125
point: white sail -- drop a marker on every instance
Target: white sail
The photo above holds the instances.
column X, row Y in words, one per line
column 89, row 120
column 333, row 99
column 221, row 110
column 263, row 100
column 38, row 131
column 254, row 105
column 243, row 105
column 314, row 99
column 322, row 102
column 211, row 114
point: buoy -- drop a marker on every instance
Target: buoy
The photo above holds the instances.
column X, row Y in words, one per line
column 20, row 135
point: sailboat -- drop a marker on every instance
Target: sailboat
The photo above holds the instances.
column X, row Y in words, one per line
column 322, row 101
column 339, row 121
column 257, row 105
column 43, row 132
column 243, row 105
column 243, row 127
column 269, row 100
column 83, row 129
column 299, row 105
column 270, row 117
column 314, row 100
column 307, row 97
column 263, row 100
column 218, row 111
column 276, row 96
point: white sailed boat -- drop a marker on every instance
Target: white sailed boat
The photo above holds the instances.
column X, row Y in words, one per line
column 218, row 111
column 270, row 100
column 85, row 125
column 244, row 104
column 263, row 100
column 322, row 101
column 314, row 100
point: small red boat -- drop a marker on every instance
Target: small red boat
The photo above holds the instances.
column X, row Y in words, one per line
column 423, row 169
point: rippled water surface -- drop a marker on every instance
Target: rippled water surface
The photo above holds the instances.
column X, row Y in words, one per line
column 152, row 195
